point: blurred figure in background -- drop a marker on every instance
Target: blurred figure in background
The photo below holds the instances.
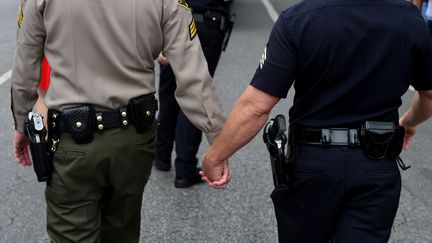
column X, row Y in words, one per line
column 212, row 19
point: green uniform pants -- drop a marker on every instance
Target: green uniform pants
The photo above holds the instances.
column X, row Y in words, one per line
column 96, row 190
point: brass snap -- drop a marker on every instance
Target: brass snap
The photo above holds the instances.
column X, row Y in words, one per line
column 148, row 113
column 100, row 127
column 125, row 123
column 99, row 118
column 124, row 114
column 78, row 124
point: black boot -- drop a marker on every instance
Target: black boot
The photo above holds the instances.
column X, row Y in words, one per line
column 162, row 165
column 189, row 180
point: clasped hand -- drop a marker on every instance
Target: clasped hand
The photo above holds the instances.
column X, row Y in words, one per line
column 216, row 173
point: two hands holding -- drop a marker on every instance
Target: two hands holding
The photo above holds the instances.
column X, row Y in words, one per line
column 216, row 174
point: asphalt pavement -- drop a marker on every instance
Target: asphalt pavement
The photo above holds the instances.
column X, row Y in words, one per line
column 241, row 213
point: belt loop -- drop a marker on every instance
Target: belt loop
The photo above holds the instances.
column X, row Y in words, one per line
column 353, row 138
column 123, row 117
column 325, row 136
column 99, row 121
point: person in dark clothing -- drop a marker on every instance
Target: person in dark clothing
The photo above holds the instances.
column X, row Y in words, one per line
column 210, row 17
column 350, row 62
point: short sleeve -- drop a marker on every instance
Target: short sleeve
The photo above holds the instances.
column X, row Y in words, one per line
column 278, row 64
column 422, row 69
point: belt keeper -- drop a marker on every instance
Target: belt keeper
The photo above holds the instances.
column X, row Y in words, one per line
column 99, row 121
column 353, row 138
column 325, row 136
column 123, row 117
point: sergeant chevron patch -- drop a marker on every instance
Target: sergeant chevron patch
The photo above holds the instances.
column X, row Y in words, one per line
column 192, row 29
column 183, row 4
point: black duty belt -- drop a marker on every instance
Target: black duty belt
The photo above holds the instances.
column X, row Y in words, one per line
column 326, row 136
column 82, row 121
column 104, row 120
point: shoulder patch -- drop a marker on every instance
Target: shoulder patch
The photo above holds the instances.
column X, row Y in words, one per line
column 183, row 3
column 263, row 58
column 192, row 29
column 20, row 16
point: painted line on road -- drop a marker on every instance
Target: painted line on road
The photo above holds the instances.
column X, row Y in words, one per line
column 270, row 10
column 5, row 77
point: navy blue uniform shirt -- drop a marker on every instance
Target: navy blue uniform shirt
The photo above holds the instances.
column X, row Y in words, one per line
column 351, row 60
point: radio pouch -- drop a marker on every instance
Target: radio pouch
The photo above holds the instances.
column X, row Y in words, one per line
column 79, row 122
column 142, row 111
column 376, row 138
column 396, row 144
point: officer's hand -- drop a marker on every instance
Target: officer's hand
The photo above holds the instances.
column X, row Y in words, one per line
column 21, row 150
column 162, row 59
column 216, row 174
column 409, row 135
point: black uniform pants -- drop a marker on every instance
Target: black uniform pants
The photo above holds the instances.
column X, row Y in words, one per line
column 430, row 25
column 338, row 196
column 173, row 124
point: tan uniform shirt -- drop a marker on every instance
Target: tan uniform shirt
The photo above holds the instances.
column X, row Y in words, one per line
column 102, row 52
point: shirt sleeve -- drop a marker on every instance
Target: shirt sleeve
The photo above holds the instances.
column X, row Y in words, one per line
column 195, row 93
column 26, row 72
column 422, row 67
column 278, row 64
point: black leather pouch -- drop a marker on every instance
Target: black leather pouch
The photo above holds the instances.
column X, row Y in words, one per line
column 396, row 144
column 79, row 122
column 142, row 111
column 376, row 138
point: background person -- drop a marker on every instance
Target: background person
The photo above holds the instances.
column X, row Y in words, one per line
column 211, row 18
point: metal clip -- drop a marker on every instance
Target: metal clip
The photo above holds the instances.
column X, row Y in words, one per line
column 55, row 143
column 325, row 136
column 353, row 139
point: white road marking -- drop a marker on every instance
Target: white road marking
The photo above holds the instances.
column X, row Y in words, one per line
column 5, row 77
column 270, row 10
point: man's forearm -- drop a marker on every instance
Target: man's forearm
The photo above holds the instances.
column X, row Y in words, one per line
column 419, row 111
column 245, row 120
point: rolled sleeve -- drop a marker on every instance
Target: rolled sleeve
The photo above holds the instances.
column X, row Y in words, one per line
column 422, row 79
column 195, row 93
column 29, row 52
